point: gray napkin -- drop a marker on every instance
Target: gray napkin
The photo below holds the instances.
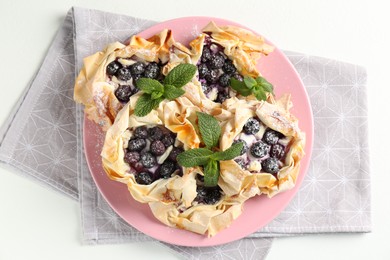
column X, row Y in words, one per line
column 44, row 132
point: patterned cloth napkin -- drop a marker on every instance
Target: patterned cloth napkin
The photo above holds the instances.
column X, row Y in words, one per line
column 44, row 132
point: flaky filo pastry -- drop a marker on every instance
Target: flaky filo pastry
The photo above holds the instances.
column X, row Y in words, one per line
column 274, row 115
column 240, row 46
column 172, row 200
column 197, row 217
column 176, row 116
column 95, row 89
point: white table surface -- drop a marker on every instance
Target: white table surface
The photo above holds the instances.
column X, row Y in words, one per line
column 37, row 223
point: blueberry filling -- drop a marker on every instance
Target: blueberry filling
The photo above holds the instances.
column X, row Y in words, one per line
column 113, row 67
column 151, row 154
column 126, row 76
column 141, row 132
column 270, row 165
column 277, row 151
column 155, row 133
column 123, row 93
column 137, row 68
column 123, row 74
column 144, row 178
column 264, row 148
column 148, row 160
column 168, row 140
column 166, row 169
column 136, row 145
column 244, row 147
column 252, row 126
column 132, row 157
column 174, row 153
column 260, row 149
column 152, row 71
column 215, row 71
column 157, row 147
column 271, row 136
column 208, row 195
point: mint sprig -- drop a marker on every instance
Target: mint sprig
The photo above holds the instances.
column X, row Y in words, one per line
column 257, row 86
column 210, row 131
column 145, row 104
column 155, row 92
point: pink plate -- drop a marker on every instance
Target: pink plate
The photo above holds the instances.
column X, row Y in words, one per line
column 257, row 211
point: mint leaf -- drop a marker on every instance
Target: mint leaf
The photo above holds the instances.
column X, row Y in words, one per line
column 249, row 82
column 149, row 85
column 145, row 104
column 171, row 92
column 156, row 94
column 194, row 157
column 249, row 86
column 209, row 129
column 228, row 154
column 211, row 173
column 240, row 87
column 180, row 75
column 259, row 93
column 265, row 84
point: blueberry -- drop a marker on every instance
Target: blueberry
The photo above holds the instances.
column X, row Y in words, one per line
column 168, row 140
column 148, row 160
column 137, row 68
column 200, row 177
column 144, row 178
column 201, row 193
column 241, row 162
column 155, row 133
column 152, row 71
column 174, row 153
column 203, row 71
column 206, row 88
column 277, row 151
column 123, row 93
column 271, row 137
column 123, row 74
column 212, row 77
column 217, row 61
column 113, row 67
column 260, row 149
column 270, row 165
column 166, row 169
column 244, row 147
column 222, row 96
column 141, row 132
column 208, row 195
column 135, row 78
column 135, row 90
column 138, row 167
column 252, row 126
column 206, row 54
column 132, row 157
column 238, row 77
column 157, row 147
column 136, row 145
column 224, row 80
column 229, row 67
